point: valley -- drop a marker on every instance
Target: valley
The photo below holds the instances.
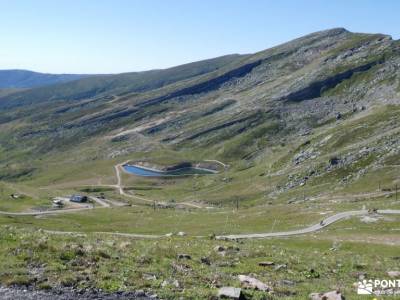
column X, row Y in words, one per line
column 289, row 155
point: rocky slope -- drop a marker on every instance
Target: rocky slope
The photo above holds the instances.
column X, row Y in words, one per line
column 319, row 93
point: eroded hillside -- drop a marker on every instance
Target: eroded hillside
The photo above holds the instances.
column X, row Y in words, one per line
column 319, row 109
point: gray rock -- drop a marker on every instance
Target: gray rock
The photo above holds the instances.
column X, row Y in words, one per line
column 15, row 293
column 230, row 292
column 253, row 283
column 280, row 267
column 394, row 274
column 170, row 282
column 334, row 295
column 266, row 263
column 287, row 282
column 149, row 277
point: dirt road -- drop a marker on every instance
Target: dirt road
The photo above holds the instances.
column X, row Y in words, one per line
column 324, row 223
column 314, row 228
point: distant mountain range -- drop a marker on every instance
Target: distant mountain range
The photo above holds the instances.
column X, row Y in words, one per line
column 30, row 79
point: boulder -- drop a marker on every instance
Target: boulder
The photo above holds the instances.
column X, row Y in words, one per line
column 287, row 282
column 394, row 274
column 253, row 283
column 334, row 295
column 280, row 267
column 266, row 263
column 170, row 282
column 230, row 293
column 149, row 276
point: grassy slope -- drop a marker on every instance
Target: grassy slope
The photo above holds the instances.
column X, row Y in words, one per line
column 260, row 156
column 248, row 181
column 92, row 261
column 123, row 83
column 29, row 79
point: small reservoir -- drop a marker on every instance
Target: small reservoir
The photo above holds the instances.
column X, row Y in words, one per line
column 142, row 171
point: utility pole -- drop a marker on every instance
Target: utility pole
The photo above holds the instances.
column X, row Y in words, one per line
column 273, row 226
column 237, row 203
column 154, row 205
column 266, row 181
column 194, row 187
column 225, row 174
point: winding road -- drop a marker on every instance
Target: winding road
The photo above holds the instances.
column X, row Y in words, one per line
column 313, row 228
column 107, row 204
column 104, row 203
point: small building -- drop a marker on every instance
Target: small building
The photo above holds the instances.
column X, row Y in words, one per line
column 58, row 203
column 78, row 198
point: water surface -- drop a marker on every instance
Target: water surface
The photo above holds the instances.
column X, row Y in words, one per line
column 136, row 170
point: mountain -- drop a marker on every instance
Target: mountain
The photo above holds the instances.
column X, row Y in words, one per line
column 29, row 79
column 304, row 142
column 119, row 84
column 8, row 91
column 299, row 104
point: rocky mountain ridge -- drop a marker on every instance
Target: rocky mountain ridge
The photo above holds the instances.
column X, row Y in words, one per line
column 236, row 108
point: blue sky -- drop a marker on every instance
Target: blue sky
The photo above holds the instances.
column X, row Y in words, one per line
column 100, row 36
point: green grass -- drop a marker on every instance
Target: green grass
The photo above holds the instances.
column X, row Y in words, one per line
column 125, row 264
column 356, row 79
column 247, row 180
column 23, row 203
column 27, row 198
column 91, row 189
column 196, row 222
